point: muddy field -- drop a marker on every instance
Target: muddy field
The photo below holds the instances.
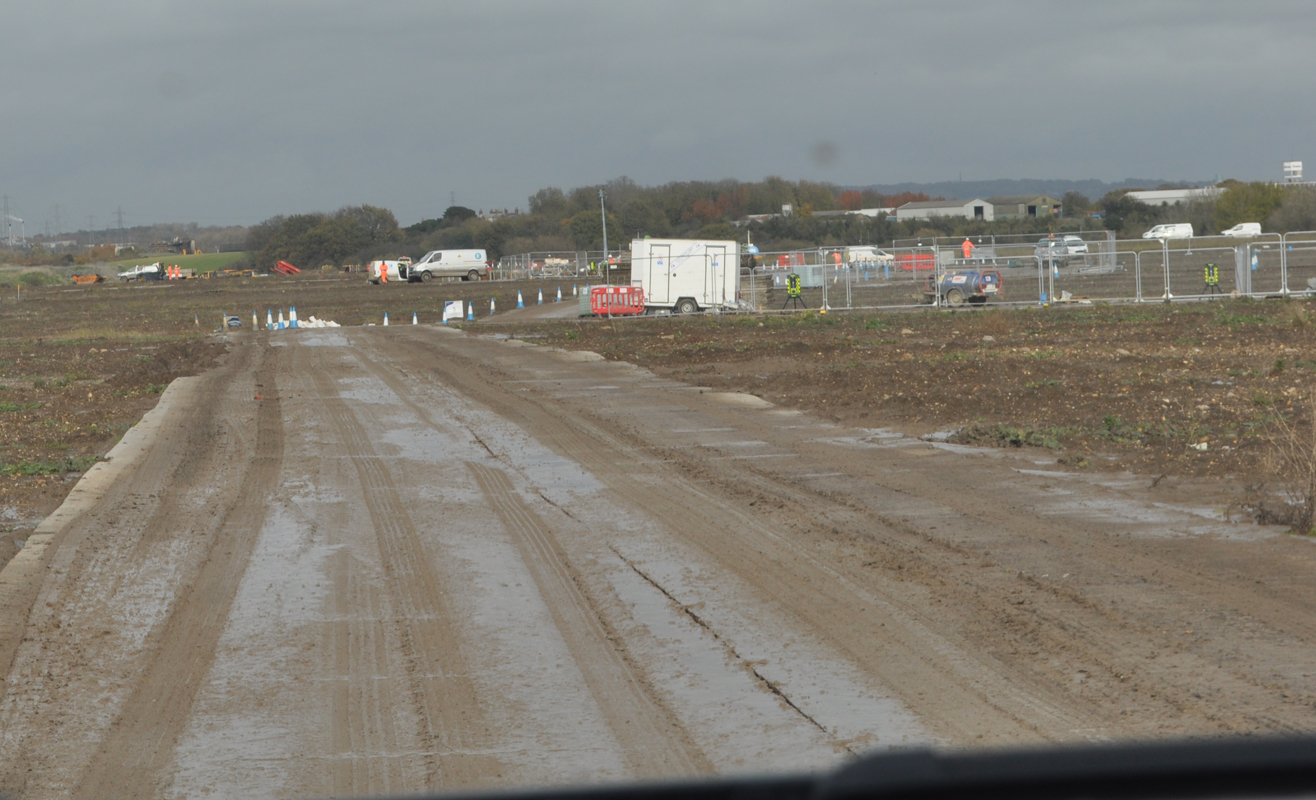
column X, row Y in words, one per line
column 1115, row 387
column 1191, row 390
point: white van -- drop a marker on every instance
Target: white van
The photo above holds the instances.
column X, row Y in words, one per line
column 868, row 256
column 469, row 265
column 389, row 271
column 1243, row 229
column 1174, row 230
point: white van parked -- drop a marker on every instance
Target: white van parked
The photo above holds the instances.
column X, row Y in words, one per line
column 866, row 256
column 1174, row 230
column 469, row 265
column 1243, row 229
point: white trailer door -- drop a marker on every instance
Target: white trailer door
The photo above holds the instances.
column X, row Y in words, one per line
column 659, row 273
column 715, row 258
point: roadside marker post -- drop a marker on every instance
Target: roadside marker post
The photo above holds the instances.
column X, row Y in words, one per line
column 519, row 302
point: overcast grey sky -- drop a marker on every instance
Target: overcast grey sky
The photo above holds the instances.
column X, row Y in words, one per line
column 230, row 111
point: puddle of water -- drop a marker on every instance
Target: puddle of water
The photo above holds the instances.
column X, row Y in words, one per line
column 1046, row 473
column 748, row 443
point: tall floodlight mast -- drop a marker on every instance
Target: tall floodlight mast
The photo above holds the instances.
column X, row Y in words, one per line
column 607, row 279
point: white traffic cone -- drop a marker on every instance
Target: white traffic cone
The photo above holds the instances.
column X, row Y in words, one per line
column 269, row 320
column 470, row 312
column 414, row 319
column 559, row 294
column 519, row 302
column 540, row 302
column 491, row 306
column 253, row 320
column 281, row 323
column 292, row 316
column 385, row 319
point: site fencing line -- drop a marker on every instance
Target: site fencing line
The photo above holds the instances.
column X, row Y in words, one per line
column 579, row 264
column 1033, row 271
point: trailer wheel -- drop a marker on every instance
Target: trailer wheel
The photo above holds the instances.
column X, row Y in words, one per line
column 425, row 277
column 977, row 301
column 687, row 306
column 955, row 297
column 473, row 275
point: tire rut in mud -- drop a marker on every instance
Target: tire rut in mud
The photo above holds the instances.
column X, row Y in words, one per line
column 137, row 748
column 653, row 743
column 453, row 730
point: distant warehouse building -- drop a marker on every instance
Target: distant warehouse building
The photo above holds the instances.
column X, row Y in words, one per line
column 968, row 209
column 1168, row 197
column 1016, row 206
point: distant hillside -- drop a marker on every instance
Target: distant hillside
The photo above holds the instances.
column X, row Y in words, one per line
column 1092, row 189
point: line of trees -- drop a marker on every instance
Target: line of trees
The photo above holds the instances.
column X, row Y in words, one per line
column 559, row 220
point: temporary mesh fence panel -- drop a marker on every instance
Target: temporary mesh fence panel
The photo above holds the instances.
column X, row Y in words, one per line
column 1300, row 260
column 1266, row 266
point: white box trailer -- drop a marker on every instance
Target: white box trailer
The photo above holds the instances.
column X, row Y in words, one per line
column 686, row 275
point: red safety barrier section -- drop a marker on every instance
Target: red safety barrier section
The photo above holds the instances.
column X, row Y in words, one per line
column 916, row 261
column 616, row 300
column 285, row 268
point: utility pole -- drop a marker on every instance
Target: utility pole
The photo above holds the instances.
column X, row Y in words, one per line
column 607, row 279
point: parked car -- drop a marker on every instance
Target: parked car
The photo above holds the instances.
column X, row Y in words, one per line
column 1243, row 230
column 142, row 272
column 1061, row 248
column 1174, row 230
column 957, row 288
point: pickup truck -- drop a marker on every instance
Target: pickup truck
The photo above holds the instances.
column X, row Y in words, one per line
column 957, row 288
column 142, row 272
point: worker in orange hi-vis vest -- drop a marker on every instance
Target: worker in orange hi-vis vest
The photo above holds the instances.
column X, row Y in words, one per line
column 383, row 272
column 968, row 249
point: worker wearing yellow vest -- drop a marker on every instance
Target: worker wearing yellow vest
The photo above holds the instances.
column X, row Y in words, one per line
column 793, row 292
column 1212, row 279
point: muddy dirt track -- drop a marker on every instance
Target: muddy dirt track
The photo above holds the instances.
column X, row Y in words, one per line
column 372, row 561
